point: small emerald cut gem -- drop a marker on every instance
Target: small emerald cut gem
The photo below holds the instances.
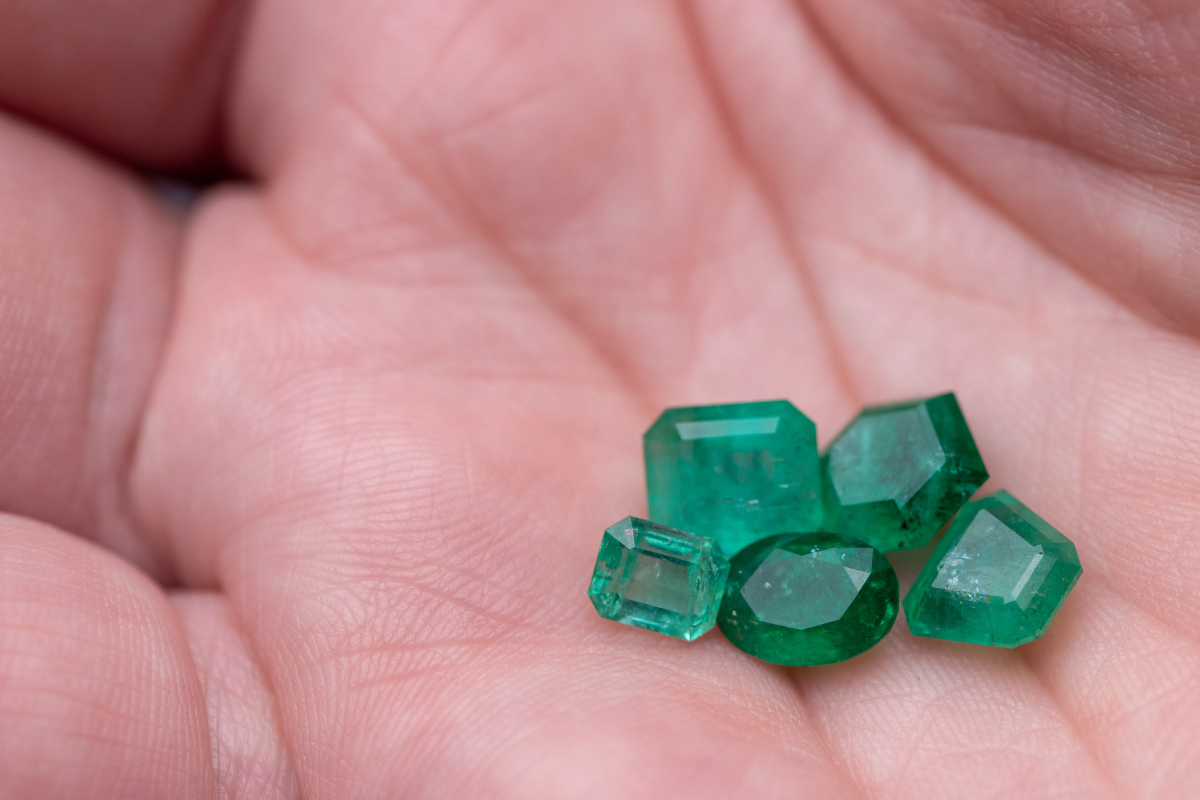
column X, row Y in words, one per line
column 808, row 599
column 997, row 577
column 898, row 473
column 734, row 472
column 658, row 578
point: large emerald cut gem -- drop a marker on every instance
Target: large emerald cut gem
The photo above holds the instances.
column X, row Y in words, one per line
column 736, row 472
column 658, row 578
column 898, row 473
column 997, row 577
column 807, row 599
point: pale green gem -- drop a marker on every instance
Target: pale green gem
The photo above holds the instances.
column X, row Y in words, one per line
column 658, row 578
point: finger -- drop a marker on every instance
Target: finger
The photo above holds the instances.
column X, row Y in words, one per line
column 1131, row 684
column 408, row 558
column 1077, row 405
column 1082, row 420
column 139, row 78
column 98, row 694
column 588, row 161
column 917, row 709
column 86, row 281
column 1083, row 393
column 1078, row 120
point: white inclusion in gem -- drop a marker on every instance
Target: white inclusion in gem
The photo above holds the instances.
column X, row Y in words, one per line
column 624, row 536
column 991, row 560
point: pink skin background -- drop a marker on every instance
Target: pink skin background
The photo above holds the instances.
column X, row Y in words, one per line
column 303, row 483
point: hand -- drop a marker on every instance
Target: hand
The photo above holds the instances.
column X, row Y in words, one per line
column 306, row 482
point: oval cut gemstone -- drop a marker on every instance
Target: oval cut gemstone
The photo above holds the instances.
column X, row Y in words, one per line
column 997, row 577
column 898, row 473
column 734, row 472
column 658, row 578
column 808, row 599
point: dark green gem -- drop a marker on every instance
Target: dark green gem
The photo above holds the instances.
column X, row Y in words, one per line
column 658, row 578
column 807, row 599
column 897, row 473
column 734, row 472
column 997, row 577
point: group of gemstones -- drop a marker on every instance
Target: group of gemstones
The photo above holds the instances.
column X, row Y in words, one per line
column 753, row 531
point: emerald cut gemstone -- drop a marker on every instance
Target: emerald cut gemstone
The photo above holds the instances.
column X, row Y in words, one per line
column 807, row 599
column 997, row 577
column 897, row 473
column 735, row 472
column 658, row 578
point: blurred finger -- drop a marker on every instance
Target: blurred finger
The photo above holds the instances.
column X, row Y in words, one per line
column 85, row 282
column 98, row 692
column 137, row 77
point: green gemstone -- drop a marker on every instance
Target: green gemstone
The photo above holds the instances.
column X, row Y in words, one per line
column 807, row 599
column 735, row 472
column 997, row 577
column 658, row 578
column 897, row 473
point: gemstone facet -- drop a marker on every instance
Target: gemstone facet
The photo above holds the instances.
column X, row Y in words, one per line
column 807, row 599
column 658, row 578
column 734, row 472
column 897, row 473
column 997, row 577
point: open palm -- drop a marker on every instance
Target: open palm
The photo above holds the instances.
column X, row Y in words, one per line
column 363, row 417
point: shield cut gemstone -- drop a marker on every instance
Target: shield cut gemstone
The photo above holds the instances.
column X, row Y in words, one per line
column 897, row 473
column 658, row 578
column 808, row 599
column 734, row 472
column 997, row 577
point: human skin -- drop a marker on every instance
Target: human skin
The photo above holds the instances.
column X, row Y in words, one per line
column 303, row 483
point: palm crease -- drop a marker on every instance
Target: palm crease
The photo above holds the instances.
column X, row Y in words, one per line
column 303, row 483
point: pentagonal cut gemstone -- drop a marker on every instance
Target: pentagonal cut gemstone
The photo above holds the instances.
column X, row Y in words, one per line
column 658, row 578
column 734, row 472
column 808, row 599
column 997, row 577
column 898, row 473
